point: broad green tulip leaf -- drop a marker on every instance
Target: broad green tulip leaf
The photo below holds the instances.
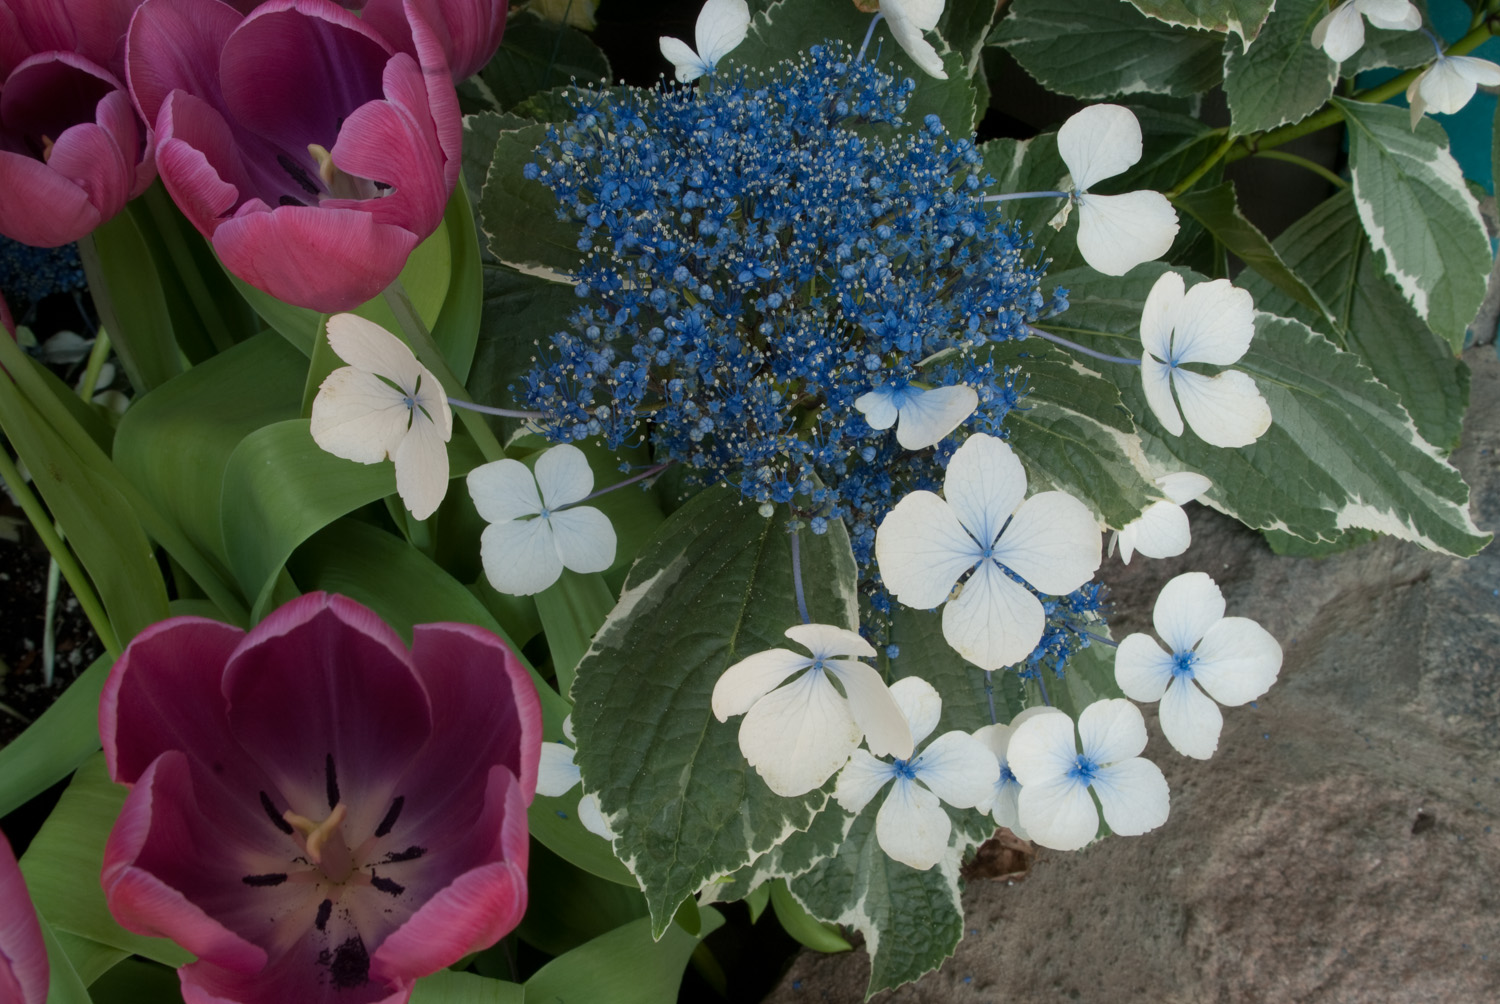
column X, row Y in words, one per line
column 127, row 290
column 571, row 610
column 757, row 901
column 1284, row 78
column 577, row 906
column 64, row 985
column 797, row 922
column 90, row 959
column 625, row 966
column 54, row 745
column 456, row 327
column 448, row 987
column 136, row 981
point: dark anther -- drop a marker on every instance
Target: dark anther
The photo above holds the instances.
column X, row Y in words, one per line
column 276, row 820
column 325, row 910
column 391, row 816
column 274, row 878
column 332, row 780
column 381, row 186
column 386, row 885
column 348, row 965
column 287, row 200
column 298, row 175
column 410, row 854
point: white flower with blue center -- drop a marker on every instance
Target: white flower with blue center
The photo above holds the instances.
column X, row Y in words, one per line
column 1211, row 323
column 1448, row 84
column 557, row 774
column 536, row 528
column 1057, row 774
column 911, row 826
column 1232, row 660
column 921, row 417
column 798, row 735
column 722, row 25
column 1162, row 530
column 926, row 544
column 1341, row 32
column 1002, row 803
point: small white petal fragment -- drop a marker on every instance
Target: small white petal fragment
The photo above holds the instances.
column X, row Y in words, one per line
column 592, row 817
column 721, row 26
column 908, row 20
column 861, row 780
column 1134, row 796
column 1162, row 530
column 556, row 772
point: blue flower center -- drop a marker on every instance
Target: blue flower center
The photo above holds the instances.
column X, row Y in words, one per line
column 906, row 768
column 1007, row 776
column 1084, row 769
column 1182, row 665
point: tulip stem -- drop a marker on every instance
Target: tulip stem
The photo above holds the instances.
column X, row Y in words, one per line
column 431, row 356
column 1060, row 340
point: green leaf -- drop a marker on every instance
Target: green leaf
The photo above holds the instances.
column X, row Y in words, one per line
column 965, row 27
column 624, row 966
column 64, row 985
column 448, row 987
column 520, row 217
column 1390, row 47
column 536, row 55
column 1032, row 165
column 90, row 959
column 481, row 130
column 1370, row 317
column 572, row 609
column 797, row 922
column 127, row 290
column 455, row 329
column 135, row 981
column 1242, row 17
column 1094, row 49
column 521, row 313
column 924, row 653
column 712, row 587
column 576, row 906
column 757, row 901
column 1283, row 77
column 1420, row 216
column 55, row 744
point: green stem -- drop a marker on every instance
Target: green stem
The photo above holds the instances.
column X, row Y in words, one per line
column 97, row 355
column 163, row 218
column 431, row 356
column 1303, row 162
column 1203, row 168
column 83, row 589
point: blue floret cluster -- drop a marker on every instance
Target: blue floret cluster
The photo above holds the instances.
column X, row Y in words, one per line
column 760, row 251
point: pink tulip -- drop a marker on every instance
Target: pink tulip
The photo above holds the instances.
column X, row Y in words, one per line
column 72, row 151
column 311, row 152
column 468, row 30
column 318, row 813
column 24, row 972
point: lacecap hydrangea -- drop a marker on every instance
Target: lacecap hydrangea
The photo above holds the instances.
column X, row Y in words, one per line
column 760, row 251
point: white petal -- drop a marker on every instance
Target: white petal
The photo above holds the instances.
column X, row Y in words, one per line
column 503, row 490
column 984, row 484
column 922, row 550
column 1445, row 88
column 1392, row 15
column 1341, row 33
column 567, row 728
column 912, row 827
column 367, row 346
column 1159, row 315
column 908, row 34
column 799, row 736
column 1186, row 608
column 919, row 704
column 1052, row 542
column 1142, row 669
column 1058, row 813
column 422, row 468
column 1184, row 486
column 752, row 678
column 1225, row 410
column 359, row 417
column 1118, row 232
column 1414, row 98
column 1006, row 809
column 1133, row 795
column 1480, row 71
column 1111, row 731
column 930, row 415
column 922, row 13
column 1156, row 381
column 825, row 641
column 556, row 772
column 1042, row 749
column 859, row 781
column 592, row 818
column 688, row 67
column 1162, row 531
column 563, row 475
column 519, row 556
column 585, row 539
column 1214, row 324
column 1190, row 721
column 878, row 407
column 722, row 25
column 1237, row 661
column 958, row 769
column 1099, row 142
column 995, row 621
column 875, row 709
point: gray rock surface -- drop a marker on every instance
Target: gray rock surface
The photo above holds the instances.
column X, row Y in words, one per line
column 1342, row 847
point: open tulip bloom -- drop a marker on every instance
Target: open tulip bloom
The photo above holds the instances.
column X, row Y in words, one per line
column 1232, row 660
column 24, row 971
column 317, row 812
column 926, row 544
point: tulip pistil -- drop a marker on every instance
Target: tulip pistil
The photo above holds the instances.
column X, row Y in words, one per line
column 339, row 184
column 323, row 840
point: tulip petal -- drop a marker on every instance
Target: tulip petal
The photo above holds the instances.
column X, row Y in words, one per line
column 1133, row 795
column 24, row 971
column 922, row 550
column 1118, row 232
column 1237, row 661
column 799, row 736
column 174, row 45
column 995, row 621
column 27, row 184
column 1052, row 542
column 1185, row 609
column 912, row 827
column 520, row 556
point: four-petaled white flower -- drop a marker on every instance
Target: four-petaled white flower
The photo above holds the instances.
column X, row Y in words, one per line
column 922, row 417
column 1448, row 84
column 1056, row 775
column 385, row 404
column 532, row 537
column 911, row 826
column 557, row 774
column 1211, row 323
column 797, row 736
column 1115, row 232
column 722, row 25
column 1162, row 530
column 1234, row 659
column 926, row 544
column 908, row 20
column 1002, row 801
column 1341, row 32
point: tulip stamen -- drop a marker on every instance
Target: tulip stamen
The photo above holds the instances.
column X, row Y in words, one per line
column 47, row 146
column 276, row 820
column 325, row 910
column 296, row 173
column 341, row 185
column 391, row 816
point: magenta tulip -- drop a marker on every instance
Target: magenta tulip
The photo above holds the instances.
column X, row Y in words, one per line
column 309, row 150
column 24, row 973
column 72, row 151
column 468, row 30
column 318, row 813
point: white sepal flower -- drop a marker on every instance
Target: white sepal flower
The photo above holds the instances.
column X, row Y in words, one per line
column 922, row 417
column 385, row 404
column 1056, row 775
column 1341, row 32
column 1115, row 232
column 1448, row 84
column 1211, row 323
column 557, row 774
column 532, row 537
column 1002, row 802
column 1162, row 530
column 722, row 25
column 911, row 826
column 926, row 544
column 797, row 736
column 1234, row 659
column 908, row 20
